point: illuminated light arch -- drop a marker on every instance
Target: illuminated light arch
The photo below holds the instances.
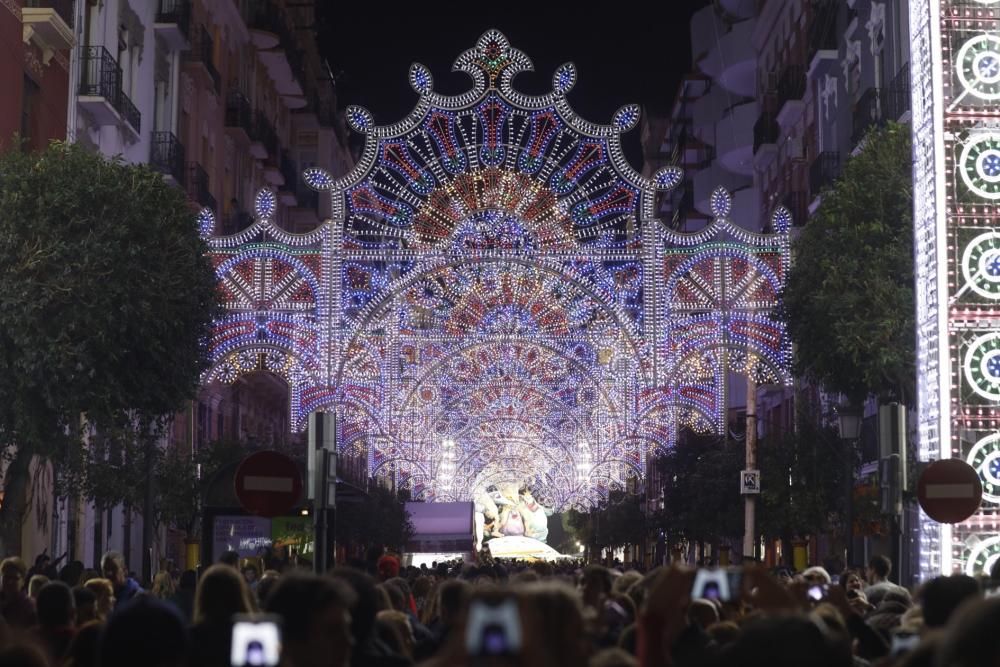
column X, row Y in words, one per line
column 486, row 221
column 955, row 68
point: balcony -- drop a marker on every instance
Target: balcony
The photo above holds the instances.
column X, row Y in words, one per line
column 823, row 171
column 791, row 89
column 100, row 92
column 289, row 180
column 284, row 63
column 166, row 155
column 897, row 97
column 173, row 23
column 201, row 53
column 867, row 114
column 264, row 138
column 239, row 115
column 765, row 132
column 263, row 21
column 197, row 186
column 48, row 23
column 797, row 204
column 732, row 62
column 823, row 33
column 734, row 137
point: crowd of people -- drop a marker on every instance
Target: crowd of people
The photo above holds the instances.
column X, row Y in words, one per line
column 492, row 613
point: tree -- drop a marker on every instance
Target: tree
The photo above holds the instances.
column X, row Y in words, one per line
column 701, row 494
column 849, row 301
column 380, row 519
column 106, row 299
column 802, row 479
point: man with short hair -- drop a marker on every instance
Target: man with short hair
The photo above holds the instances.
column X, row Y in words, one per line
column 114, row 570
column 316, row 619
column 56, row 619
column 16, row 608
column 877, row 573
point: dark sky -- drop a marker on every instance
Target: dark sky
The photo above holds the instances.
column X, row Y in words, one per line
column 624, row 52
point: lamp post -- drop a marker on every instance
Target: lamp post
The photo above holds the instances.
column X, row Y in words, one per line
column 849, row 420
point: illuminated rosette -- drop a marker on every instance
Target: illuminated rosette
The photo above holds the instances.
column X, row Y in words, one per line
column 626, row 118
column 984, row 457
column 668, row 178
column 265, row 204
column 982, row 366
column 317, row 179
column 721, row 202
column 981, row 265
column 420, row 79
column 360, row 119
column 206, row 223
column 565, row 78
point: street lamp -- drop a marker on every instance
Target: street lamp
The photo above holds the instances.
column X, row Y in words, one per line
column 849, row 421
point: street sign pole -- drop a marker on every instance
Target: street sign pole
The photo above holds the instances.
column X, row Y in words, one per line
column 323, row 484
column 750, row 499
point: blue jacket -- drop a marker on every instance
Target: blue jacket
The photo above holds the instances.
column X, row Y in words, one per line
column 127, row 592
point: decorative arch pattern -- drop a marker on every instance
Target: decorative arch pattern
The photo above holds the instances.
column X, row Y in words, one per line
column 493, row 300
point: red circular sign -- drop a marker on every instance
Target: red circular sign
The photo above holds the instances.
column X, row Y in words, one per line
column 268, row 484
column 950, row 491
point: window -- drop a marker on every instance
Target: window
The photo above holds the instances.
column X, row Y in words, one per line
column 30, row 114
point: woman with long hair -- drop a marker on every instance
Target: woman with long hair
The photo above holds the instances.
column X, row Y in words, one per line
column 222, row 592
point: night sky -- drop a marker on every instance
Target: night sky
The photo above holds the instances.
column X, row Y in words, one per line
column 632, row 53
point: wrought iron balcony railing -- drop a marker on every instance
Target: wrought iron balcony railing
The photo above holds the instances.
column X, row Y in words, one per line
column 166, row 155
column 198, row 186
column 239, row 114
column 175, row 11
column 823, row 30
column 791, row 84
column 897, row 95
column 64, row 8
column 867, row 114
column 823, row 171
column 265, row 134
column 202, row 51
column 765, row 131
column 100, row 75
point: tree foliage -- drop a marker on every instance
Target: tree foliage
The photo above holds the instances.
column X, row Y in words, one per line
column 701, row 493
column 106, row 298
column 802, row 479
column 380, row 519
column 849, row 302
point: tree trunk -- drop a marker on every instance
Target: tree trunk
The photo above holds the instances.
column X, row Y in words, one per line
column 147, row 510
column 14, row 502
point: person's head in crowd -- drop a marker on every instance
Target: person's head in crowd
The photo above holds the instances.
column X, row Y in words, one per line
column 114, row 570
column 407, row 595
column 852, row 580
column 266, row 584
column 816, row 576
column 596, row 583
column 383, row 600
column 365, row 606
column 788, row 641
column 71, row 573
column 146, row 632
column 220, row 594
column 83, row 648
column 188, row 581
column 940, row 597
column 971, row 638
column 724, row 633
column 12, row 573
column 55, row 606
column 230, row 558
column 394, row 627
column 625, row 604
column 552, row 615
column 622, row 583
column 878, row 570
column 104, row 590
column 612, row 657
column 316, row 619
column 251, row 574
column 163, row 586
column 86, row 605
column 23, row 654
column 35, row 584
column 397, row 598
column 783, row 575
column 387, row 567
column 452, row 596
column 703, row 613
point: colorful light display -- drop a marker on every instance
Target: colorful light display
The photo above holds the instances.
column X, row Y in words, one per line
column 493, row 301
column 956, row 88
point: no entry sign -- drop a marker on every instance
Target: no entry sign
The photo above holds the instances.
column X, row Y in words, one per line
column 268, row 484
column 950, row 491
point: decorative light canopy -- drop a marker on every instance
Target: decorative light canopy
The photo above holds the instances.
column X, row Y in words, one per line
column 493, row 300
